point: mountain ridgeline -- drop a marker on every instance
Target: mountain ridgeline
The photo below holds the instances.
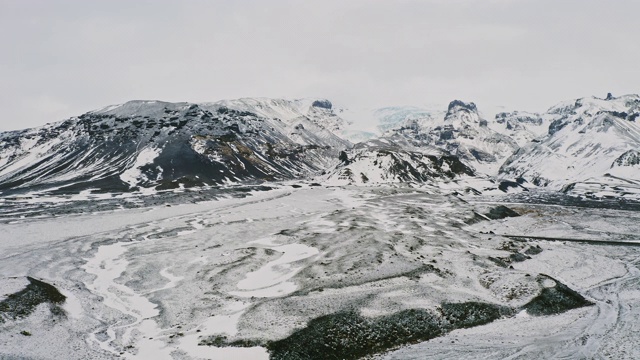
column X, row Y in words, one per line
column 590, row 144
column 159, row 145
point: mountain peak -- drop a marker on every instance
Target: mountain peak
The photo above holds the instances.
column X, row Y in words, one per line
column 322, row 103
column 467, row 113
column 457, row 105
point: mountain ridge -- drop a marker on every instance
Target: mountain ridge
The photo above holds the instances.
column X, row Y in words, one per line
column 164, row 145
column 147, row 145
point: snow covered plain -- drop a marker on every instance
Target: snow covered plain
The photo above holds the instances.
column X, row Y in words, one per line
column 255, row 273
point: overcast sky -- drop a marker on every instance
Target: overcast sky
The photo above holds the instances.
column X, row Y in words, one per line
column 63, row 58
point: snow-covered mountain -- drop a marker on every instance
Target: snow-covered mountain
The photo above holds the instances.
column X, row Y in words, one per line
column 422, row 147
column 395, row 160
column 153, row 144
column 589, row 140
column 317, row 111
column 585, row 146
column 521, row 126
column 461, row 132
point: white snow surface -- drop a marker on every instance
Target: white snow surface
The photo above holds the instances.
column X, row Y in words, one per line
column 157, row 282
column 133, row 175
column 273, row 278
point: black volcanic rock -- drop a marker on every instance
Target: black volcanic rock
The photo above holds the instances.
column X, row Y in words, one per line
column 557, row 125
column 505, row 185
column 501, row 212
column 533, row 250
column 555, row 299
column 344, row 158
column 629, row 158
column 348, row 335
column 324, row 104
column 461, row 104
column 24, row 302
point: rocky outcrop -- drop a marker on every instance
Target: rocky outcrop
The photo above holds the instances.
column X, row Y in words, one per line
column 325, row 104
column 629, row 158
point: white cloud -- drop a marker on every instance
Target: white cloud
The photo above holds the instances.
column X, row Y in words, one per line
column 522, row 54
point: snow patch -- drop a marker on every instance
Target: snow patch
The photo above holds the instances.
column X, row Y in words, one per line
column 273, row 279
column 134, row 174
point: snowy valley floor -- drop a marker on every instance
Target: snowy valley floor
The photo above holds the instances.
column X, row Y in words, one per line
column 393, row 273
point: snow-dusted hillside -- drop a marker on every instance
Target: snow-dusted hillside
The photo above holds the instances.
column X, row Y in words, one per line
column 587, row 146
column 153, row 144
column 588, row 141
column 461, row 132
column 394, row 160
column 318, row 111
column 523, row 127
